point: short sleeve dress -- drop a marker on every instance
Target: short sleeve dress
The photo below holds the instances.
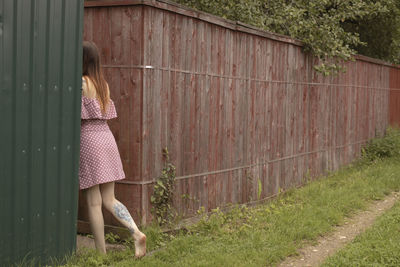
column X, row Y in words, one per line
column 100, row 161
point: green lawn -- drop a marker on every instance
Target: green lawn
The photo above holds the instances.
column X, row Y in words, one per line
column 266, row 234
column 378, row 246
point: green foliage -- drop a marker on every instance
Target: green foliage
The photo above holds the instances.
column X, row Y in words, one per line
column 163, row 193
column 250, row 181
column 385, row 147
column 380, row 32
column 218, row 222
column 112, row 238
column 259, row 191
column 319, row 24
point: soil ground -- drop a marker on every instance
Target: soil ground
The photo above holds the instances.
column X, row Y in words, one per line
column 87, row 242
column 314, row 255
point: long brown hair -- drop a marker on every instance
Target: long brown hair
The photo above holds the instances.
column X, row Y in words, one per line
column 91, row 69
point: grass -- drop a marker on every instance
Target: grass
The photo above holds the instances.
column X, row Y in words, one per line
column 266, row 234
column 378, row 246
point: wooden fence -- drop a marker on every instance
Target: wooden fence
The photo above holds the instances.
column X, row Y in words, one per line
column 394, row 104
column 237, row 107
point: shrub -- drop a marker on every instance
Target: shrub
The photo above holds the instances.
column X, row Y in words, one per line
column 384, row 147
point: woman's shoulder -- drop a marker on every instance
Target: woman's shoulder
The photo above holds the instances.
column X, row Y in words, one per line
column 91, row 109
column 88, row 89
column 86, row 81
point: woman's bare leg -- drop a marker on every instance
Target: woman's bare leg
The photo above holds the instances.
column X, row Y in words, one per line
column 94, row 201
column 121, row 213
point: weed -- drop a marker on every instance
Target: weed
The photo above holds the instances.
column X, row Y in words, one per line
column 189, row 198
column 250, row 182
column 259, row 189
column 163, row 193
column 384, row 147
column 112, row 238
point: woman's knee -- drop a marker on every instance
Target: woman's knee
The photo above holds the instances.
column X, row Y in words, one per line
column 108, row 203
column 93, row 196
column 107, row 195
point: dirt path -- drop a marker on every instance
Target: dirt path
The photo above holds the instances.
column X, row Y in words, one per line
column 86, row 242
column 328, row 245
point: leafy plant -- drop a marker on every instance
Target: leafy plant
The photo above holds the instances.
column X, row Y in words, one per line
column 259, row 189
column 385, row 147
column 380, row 32
column 250, row 182
column 329, row 29
column 112, row 238
column 163, row 192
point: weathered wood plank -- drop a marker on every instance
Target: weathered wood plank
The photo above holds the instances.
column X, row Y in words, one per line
column 124, row 126
column 135, row 87
column 135, row 122
column 221, row 98
column 174, row 105
column 88, row 24
column 205, row 112
column 102, row 34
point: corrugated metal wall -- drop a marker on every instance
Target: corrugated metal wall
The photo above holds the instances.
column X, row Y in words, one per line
column 233, row 104
column 40, row 75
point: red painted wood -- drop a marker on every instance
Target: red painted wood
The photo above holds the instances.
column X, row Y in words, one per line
column 394, row 103
column 227, row 100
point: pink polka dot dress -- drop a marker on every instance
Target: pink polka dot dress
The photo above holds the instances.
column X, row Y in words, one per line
column 100, row 161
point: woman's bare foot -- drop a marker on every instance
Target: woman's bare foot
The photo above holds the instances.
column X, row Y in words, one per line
column 140, row 245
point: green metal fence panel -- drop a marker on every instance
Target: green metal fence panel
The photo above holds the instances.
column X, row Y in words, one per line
column 40, row 78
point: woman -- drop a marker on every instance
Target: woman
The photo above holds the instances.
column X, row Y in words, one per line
column 100, row 162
